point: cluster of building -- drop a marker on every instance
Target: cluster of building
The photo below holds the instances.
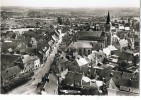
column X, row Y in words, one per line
column 23, row 51
column 18, row 23
column 95, row 57
column 99, row 59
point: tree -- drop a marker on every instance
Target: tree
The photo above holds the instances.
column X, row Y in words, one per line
column 37, row 24
column 60, row 21
column 123, row 65
column 67, row 22
column 123, row 22
column 13, row 35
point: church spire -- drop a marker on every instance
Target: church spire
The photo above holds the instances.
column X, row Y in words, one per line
column 108, row 18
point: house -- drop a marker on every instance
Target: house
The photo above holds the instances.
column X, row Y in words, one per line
column 55, row 38
column 122, row 34
column 127, row 82
column 125, row 56
column 28, row 63
column 137, row 43
column 84, row 34
column 129, row 85
column 60, row 62
column 127, row 29
column 83, row 48
column 92, row 58
column 37, row 62
column 89, row 84
column 99, row 36
column 44, row 48
column 81, row 61
column 123, row 43
column 121, row 28
column 78, row 80
column 73, row 79
column 51, row 42
column 8, row 61
column 10, row 67
column 29, row 51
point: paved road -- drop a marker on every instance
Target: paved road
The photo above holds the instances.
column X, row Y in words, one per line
column 30, row 87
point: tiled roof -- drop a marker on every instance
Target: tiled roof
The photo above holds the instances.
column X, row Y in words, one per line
column 81, row 61
column 30, row 51
column 80, row 45
column 63, row 59
column 126, row 56
column 73, row 78
column 7, row 61
column 90, row 33
column 26, row 58
column 74, row 69
column 125, row 82
column 54, row 37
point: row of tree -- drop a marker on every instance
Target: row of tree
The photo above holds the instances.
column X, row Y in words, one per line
column 16, row 82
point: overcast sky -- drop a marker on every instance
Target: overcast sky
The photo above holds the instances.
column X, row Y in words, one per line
column 72, row 3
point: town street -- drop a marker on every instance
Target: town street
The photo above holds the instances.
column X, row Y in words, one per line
column 30, row 86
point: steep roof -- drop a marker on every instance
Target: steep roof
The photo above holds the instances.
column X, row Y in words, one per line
column 90, row 33
column 7, row 61
column 125, row 82
column 26, row 58
column 91, row 57
column 73, row 78
column 80, row 45
column 126, row 56
column 108, row 18
column 81, row 61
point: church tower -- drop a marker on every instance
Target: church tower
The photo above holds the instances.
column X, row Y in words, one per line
column 108, row 19
column 108, row 29
column 108, row 24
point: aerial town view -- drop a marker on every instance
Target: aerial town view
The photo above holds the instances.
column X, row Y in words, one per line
column 71, row 48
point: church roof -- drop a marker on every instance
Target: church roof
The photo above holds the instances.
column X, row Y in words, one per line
column 80, row 45
column 108, row 18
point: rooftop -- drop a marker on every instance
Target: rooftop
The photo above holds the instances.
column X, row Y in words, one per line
column 80, row 45
column 7, row 61
column 73, row 78
column 90, row 33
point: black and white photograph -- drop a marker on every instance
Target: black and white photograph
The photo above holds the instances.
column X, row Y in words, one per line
column 70, row 47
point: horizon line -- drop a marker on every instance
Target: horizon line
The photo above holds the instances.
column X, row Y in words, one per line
column 68, row 7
